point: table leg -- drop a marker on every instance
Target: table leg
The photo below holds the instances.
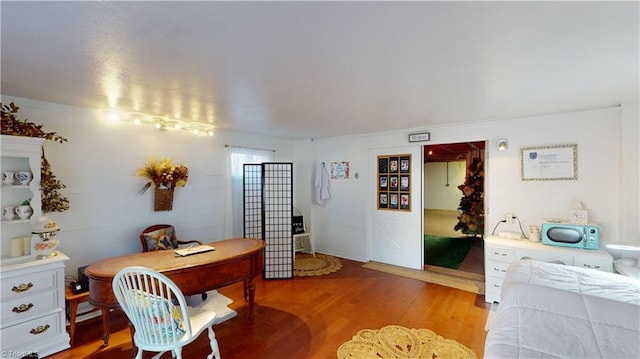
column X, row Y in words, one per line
column 73, row 311
column 251, row 287
column 105, row 326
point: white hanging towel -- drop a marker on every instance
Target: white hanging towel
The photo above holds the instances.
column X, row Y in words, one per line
column 322, row 184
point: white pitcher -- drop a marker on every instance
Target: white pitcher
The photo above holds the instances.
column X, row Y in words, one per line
column 23, row 177
column 24, row 212
column 8, row 177
column 8, row 213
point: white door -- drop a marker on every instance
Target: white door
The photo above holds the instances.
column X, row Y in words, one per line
column 396, row 235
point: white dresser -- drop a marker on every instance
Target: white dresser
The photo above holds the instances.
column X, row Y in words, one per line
column 500, row 252
column 32, row 305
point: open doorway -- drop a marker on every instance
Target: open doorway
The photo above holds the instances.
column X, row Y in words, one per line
column 454, row 207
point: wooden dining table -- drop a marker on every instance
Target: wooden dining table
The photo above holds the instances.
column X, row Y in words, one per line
column 233, row 260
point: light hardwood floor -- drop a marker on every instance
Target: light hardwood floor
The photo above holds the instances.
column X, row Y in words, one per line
column 310, row 317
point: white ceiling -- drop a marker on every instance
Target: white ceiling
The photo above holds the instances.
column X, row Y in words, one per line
column 304, row 70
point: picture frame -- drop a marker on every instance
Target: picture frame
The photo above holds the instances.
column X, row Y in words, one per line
column 394, row 165
column 393, row 200
column 383, row 165
column 393, row 183
column 404, row 183
column 405, row 164
column 340, row 170
column 383, row 200
column 549, row 163
column 405, row 201
column 419, row 137
column 383, row 182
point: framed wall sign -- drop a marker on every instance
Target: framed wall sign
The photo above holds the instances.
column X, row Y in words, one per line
column 340, row 170
column 550, row 163
column 394, row 182
column 419, row 137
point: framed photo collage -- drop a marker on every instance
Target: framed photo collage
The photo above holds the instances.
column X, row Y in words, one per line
column 394, row 182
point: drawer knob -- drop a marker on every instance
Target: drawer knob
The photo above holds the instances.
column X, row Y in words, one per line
column 39, row 330
column 22, row 308
column 22, row 287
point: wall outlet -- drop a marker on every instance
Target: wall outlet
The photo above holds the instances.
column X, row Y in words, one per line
column 509, row 218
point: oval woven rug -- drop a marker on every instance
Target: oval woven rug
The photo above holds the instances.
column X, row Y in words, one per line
column 396, row 342
column 306, row 265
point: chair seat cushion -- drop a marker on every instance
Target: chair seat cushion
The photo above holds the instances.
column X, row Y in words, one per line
column 164, row 318
column 160, row 239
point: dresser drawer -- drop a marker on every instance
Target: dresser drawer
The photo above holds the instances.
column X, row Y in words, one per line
column 594, row 262
column 560, row 257
column 33, row 331
column 26, row 306
column 496, row 269
column 493, row 289
column 27, row 284
column 500, row 254
column 492, row 295
column 493, row 284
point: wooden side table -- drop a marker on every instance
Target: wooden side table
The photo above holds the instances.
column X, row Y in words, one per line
column 72, row 299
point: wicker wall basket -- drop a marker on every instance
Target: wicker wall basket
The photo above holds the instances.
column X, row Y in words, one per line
column 163, row 199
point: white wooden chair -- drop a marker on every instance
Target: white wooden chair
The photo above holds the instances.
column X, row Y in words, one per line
column 158, row 311
column 302, row 242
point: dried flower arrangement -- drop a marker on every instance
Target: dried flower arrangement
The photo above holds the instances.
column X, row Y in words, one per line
column 14, row 127
column 52, row 200
column 163, row 174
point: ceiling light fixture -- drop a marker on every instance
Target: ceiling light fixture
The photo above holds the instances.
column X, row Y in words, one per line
column 160, row 122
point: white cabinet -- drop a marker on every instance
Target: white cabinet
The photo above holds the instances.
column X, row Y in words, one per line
column 32, row 306
column 19, row 154
column 32, row 317
column 500, row 252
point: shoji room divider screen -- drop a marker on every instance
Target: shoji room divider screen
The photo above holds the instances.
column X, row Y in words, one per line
column 268, row 208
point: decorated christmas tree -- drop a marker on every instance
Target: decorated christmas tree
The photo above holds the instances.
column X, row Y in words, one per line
column 52, row 200
column 471, row 218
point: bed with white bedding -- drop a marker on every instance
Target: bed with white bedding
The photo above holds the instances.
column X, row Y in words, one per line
column 555, row 311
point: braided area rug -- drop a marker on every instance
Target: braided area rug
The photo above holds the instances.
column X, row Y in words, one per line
column 306, row 265
column 396, row 342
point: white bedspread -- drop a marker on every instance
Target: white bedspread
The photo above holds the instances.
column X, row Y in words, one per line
column 597, row 317
column 575, row 279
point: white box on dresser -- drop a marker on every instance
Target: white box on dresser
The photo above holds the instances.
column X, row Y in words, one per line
column 33, row 307
column 500, row 252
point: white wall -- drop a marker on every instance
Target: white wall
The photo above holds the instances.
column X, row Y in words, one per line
column 608, row 151
column 98, row 165
column 99, row 162
column 437, row 195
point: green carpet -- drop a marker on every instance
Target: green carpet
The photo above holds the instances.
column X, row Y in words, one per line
column 446, row 252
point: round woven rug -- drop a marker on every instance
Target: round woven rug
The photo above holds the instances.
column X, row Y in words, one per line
column 396, row 342
column 306, row 265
